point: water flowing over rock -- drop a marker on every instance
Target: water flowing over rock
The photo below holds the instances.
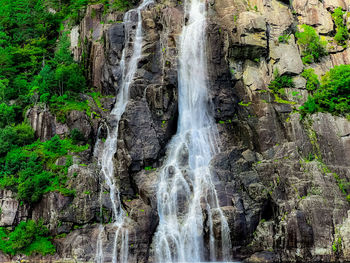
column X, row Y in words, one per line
column 109, row 147
column 187, row 200
column 192, row 157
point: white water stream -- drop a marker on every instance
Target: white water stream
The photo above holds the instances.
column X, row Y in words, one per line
column 105, row 160
column 186, row 197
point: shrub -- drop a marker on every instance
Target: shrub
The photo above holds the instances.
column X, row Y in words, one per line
column 7, row 115
column 27, row 238
column 54, row 146
column 15, row 136
column 284, row 38
column 279, row 82
column 76, row 136
column 333, row 95
column 312, row 46
column 30, row 171
column 24, row 134
column 342, row 32
column 312, row 82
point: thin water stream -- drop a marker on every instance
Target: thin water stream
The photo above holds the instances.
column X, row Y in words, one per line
column 105, row 159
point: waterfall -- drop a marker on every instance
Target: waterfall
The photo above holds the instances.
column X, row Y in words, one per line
column 128, row 68
column 186, row 196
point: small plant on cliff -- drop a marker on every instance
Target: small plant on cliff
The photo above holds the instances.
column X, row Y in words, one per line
column 312, row 82
column 279, row 82
column 337, row 244
column 313, row 48
column 27, row 238
column 76, row 136
column 121, row 5
column 284, row 38
column 342, row 32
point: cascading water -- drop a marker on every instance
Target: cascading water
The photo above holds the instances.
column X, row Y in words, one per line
column 105, row 160
column 186, row 196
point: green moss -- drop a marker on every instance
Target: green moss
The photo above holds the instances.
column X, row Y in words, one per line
column 245, row 104
column 63, row 235
column 280, row 100
column 348, row 198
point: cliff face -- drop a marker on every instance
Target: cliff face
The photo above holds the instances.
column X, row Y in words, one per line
column 280, row 203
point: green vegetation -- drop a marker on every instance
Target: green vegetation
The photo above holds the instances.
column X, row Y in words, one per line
column 150, row 168
column 343, row 184
column 313, row 48
column 312, row 82
column 284, row 38
column 27, row 238
column 279, row 82
column 244, row 104
column 337, row 243
column 12, row 137
column 30, row 171
column 342, row 32
column 76, row 136
column 333, row 95
column 37, row 68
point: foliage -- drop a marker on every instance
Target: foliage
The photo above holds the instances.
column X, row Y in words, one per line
column 76, row 136
column 7, row 115
column 312, row 46
column 120, row 5
column 342, row 32
column 36, row 66
column 27, row 238
column 333, row 95
column 61, row 105
column 284, row 38
column 15, row 136
column 31, row 170
column 60, row 76
column 312, row 82
column 27, row 32
column 32, row 68
column 279, row 82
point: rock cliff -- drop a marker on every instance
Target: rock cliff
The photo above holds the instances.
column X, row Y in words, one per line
column 281, row 204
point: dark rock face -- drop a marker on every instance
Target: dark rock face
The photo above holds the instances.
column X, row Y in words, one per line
column 282, row 203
